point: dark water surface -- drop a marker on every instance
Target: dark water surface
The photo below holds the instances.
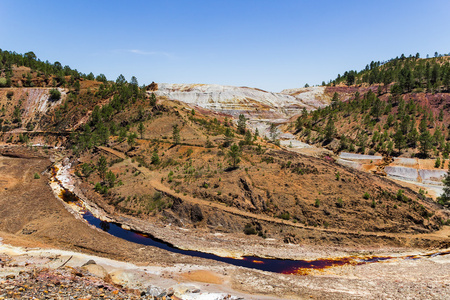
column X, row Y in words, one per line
column 285, row 266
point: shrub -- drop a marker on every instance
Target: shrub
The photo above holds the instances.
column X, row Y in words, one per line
column 373, row 204
column 30, row 126
column 268, row 159
column 437, row 162
column 317, row 203
column 285, row 216
column 55, row 94
column 338, row 176
column 155, row 158
column 340, row 203
column 100, row 188
column 366, row 195
column 110, row 178
column 36, row 176
column 249, row 229
column 87, row 169
column 401, row 197
column 208, row 143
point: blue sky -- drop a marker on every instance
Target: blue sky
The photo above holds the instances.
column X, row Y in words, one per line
column 270, row 45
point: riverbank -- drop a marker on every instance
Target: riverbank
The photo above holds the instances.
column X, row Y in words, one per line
column 32, row 217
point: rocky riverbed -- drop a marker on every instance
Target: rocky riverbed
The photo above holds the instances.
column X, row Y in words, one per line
column 30, row 273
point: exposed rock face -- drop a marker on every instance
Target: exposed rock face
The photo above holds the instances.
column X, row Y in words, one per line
column 152, row 86
column 34, row 102
column 254, row 103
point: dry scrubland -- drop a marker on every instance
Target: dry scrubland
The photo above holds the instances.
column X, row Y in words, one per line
column 194, row 177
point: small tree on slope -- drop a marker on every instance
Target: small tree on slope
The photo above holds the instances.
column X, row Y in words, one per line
column 445, row 197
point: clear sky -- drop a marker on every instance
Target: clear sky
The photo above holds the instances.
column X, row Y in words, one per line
column 270, row 45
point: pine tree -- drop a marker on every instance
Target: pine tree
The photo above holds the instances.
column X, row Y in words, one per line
column 413, row 137
column 141, row 129
column 330, row 130
column 273, row 132
column 399, row 140
column 248, row 137
column 335, row 100
column 110, row 178
column 445, row 197
column 423, row 124
column 241, row 124
column 256, row 135
column 131, row 139
column 229, row 135
column 176, row 134
column 425, row 143
column 102, row 166
column 155, row 158
column 234, row 154
column 153, row 100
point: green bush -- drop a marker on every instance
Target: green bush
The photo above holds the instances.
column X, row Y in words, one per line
column 36, row 176
column 366, row 195
column 55, row 94
column 340, row 203
column 317, row 203
column 100, row 188
column 155, row 158
column 437, row 162
column 249, row 229
column 285, row 216
column 401, row 197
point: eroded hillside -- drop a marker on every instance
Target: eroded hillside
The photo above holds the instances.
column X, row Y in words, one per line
column 141, row 155
column 254, row 103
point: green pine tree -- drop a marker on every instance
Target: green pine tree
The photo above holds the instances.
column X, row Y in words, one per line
column 444, row 199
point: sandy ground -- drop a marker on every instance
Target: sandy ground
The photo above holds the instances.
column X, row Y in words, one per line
column 196, row 283
column 397, row 279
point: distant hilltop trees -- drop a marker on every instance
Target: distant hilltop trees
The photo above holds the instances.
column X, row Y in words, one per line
column 404, row 73
column 8, row 59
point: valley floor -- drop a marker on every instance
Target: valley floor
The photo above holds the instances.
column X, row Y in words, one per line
column 43, row 243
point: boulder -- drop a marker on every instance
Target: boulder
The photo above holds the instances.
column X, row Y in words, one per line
column 96, row 270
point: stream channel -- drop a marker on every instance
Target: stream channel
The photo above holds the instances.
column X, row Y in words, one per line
column 285, row 266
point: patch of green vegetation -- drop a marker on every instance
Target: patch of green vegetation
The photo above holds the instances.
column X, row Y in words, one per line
column 55, row 95
column 155, row 202
column 285, row 215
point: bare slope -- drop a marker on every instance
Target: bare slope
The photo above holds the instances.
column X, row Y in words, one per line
column 250, row 101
